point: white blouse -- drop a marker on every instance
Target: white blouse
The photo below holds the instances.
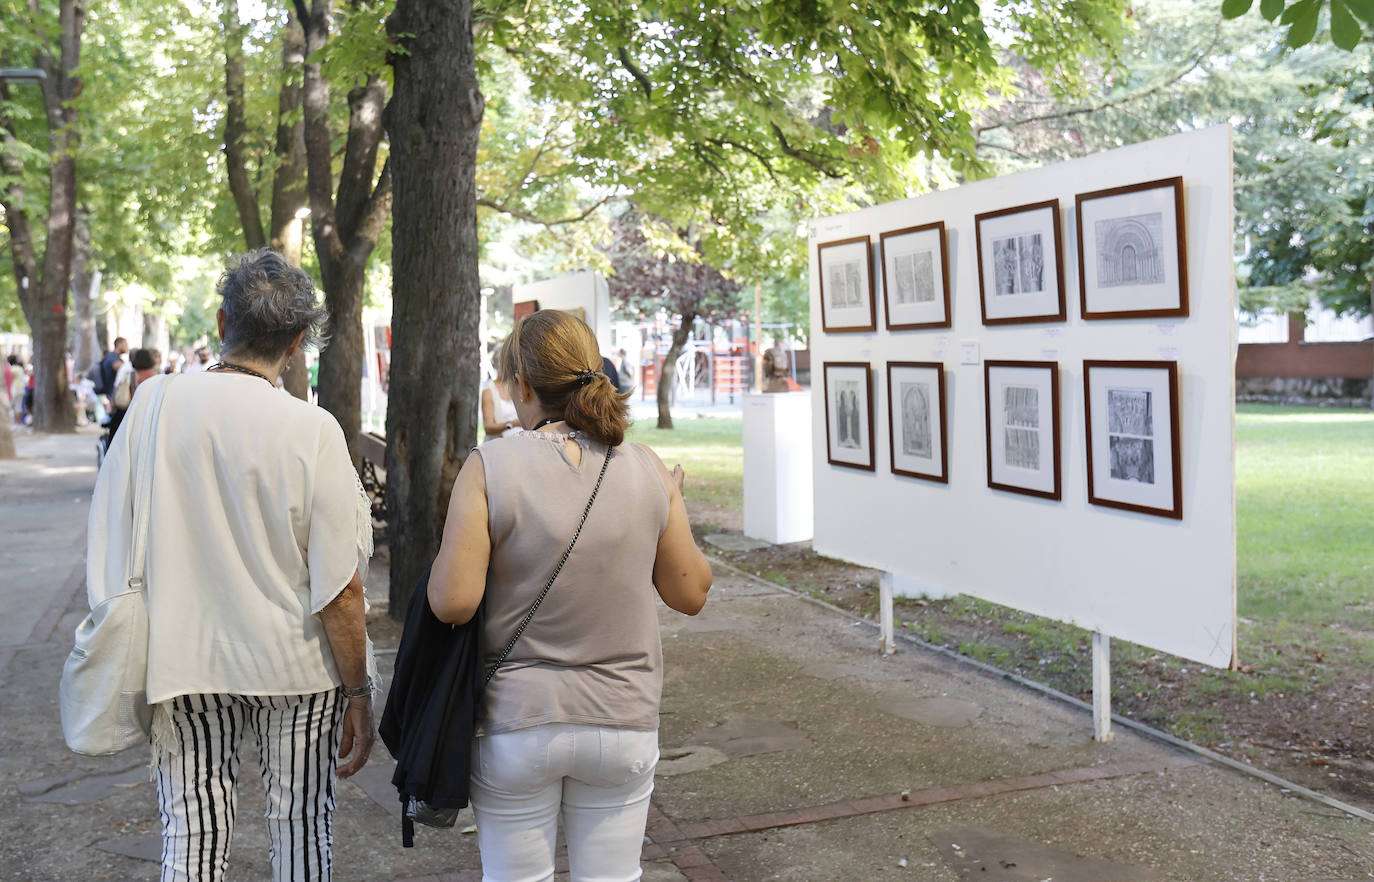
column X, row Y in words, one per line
column 255, row 525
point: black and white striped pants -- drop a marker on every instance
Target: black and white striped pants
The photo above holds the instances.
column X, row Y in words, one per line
column 298, row 742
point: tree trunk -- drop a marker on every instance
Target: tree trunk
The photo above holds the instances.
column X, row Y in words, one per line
column 433, row 120
column 45, row 307
column 43, row 293
column 667, row 376
column 345, row 226
column 756, row 325
column 52, row 401
column 341, row 362
column 236, row 128
column 85, row 284
column 289, row 198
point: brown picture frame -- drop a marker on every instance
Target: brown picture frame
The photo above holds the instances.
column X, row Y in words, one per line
column 1056, row 432
column 940, row 431
column 1061, row 312
column 866, row 413
column 1174, row 510
column 943, row 277
column 1180, row 237
column 826, row 324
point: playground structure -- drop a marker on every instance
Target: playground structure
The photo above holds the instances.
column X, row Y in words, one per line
column 718, row 363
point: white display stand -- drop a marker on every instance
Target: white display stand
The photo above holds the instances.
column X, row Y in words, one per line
column 777, row 467
column 1164, row 583
column 585, row 290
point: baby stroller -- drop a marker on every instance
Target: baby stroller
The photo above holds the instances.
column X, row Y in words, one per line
column 102, row 444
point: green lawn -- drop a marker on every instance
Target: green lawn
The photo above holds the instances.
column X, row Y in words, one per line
column 711, row 452
column 1305, row 515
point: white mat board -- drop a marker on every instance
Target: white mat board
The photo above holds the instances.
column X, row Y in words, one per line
column 1159, row 582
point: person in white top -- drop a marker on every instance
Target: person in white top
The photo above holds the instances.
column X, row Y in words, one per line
column 257, row 544
column 498, row 411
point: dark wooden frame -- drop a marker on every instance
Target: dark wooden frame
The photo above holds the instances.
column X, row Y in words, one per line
column 872, row 290
column 1176, row 453
column 1053, row 368
column 978, row 219
column 825, row 389
column 1180, row 311
column 944, row 272
column 939, row 367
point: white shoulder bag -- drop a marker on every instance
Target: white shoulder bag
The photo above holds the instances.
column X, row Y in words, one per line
column 103, row 693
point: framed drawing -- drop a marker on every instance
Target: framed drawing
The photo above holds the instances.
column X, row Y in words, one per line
column 1132, row 253
column 849, row 414
column 1133, row 438
column 1020, row 272
column 916, row 419
column 847, row 302
column 915, row 278
column 1022, row 399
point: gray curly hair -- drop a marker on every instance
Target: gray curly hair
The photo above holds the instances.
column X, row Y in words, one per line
column 267, row 303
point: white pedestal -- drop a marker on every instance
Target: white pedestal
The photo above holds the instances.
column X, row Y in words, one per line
column 777, row 467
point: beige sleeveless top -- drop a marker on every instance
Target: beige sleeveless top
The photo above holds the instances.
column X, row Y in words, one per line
column 592, row 654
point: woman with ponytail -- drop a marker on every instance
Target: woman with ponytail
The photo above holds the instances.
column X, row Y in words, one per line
column 569, row 723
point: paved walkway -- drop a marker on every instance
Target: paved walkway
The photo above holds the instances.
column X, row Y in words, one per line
column 791, row 751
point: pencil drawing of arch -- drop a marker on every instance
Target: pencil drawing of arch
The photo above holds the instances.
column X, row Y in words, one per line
column 916, row 422
column 1130, row 250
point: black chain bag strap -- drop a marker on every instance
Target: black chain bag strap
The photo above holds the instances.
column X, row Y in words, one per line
column 491, row 671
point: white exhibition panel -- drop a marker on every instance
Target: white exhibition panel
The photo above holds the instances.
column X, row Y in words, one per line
column 777, row 467
column 584, row 290
column 1160, row 582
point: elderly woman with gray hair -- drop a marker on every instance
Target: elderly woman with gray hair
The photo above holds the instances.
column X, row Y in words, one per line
column 256, row 546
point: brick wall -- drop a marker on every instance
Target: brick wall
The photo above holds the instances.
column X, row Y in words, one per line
column 1298, row 372
column 1299, row 359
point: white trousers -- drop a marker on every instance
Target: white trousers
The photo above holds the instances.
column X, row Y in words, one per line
column 298, row 742
column 596, row 778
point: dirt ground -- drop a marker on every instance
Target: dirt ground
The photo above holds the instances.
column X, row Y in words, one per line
column 1293, row 711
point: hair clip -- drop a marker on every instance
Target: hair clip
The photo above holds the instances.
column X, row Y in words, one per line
column 585, row 377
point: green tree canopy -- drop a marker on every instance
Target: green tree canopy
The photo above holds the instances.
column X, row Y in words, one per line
column 1304, row 157
column 716, row 119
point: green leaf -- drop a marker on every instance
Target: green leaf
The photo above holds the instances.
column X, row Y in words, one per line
column 1304, row 28
column 1235, row 8
column 1345, row 30
column 1272, row 9
column 1301, row 9
column 1363, row 8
